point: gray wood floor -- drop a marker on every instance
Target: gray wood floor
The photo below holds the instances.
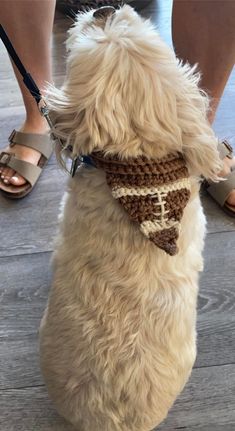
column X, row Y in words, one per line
column 27, row 231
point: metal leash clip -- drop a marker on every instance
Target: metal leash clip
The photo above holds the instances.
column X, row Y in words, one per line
column 44, row 110
column 77, row 161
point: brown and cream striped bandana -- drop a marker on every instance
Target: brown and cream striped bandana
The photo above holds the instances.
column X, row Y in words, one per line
column 153, row 192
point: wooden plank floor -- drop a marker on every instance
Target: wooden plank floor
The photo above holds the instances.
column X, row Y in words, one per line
column 27, row 230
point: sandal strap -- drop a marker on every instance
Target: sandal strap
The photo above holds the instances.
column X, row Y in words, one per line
column 27, row 170
column 36, row 141
column 225, row 149
column 221, row 191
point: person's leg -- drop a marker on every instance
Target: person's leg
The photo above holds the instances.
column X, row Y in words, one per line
column 28, row 24
column 203, row 33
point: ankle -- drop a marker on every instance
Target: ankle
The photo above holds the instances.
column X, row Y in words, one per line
column 35, row 125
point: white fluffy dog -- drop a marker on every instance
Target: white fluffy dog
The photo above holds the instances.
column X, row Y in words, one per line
column 118, row 339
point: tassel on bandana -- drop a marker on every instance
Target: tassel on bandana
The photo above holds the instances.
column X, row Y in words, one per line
column 153, row 192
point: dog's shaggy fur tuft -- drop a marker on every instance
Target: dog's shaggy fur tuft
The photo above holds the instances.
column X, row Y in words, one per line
column 118, row 337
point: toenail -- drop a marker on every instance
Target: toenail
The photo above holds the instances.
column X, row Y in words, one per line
column 6, row 181
column 2, row 176
column 15, row 179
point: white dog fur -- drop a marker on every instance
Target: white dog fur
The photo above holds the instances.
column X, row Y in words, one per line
column 118, row 339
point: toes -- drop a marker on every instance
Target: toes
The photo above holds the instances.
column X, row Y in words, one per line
column 8, row 176
column 7, row 173
column 5, row 180
column 17, row 180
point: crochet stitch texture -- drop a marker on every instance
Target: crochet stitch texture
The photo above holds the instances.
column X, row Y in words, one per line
column 153, row 192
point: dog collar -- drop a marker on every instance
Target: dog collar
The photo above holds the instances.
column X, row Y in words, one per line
column 87, row 160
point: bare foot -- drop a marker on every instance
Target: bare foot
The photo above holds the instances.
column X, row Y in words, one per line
column 8, row 175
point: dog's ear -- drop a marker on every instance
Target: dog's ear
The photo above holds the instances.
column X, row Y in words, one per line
column 199, row 143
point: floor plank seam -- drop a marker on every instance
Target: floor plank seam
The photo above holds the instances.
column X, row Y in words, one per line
column 22, row 388
column 212, row 366
column 221, row 232
column 180, row 428
column 26, row 254
column 23, row 337
column 43, row 385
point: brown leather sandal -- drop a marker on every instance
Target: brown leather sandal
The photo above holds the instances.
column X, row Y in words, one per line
column 221, row 191
column 30, row 172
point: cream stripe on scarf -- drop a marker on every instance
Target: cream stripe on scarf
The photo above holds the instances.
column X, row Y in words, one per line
column 148, row 227
column 143, row 191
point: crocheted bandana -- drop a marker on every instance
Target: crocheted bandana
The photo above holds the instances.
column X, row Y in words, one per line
column 153, row 192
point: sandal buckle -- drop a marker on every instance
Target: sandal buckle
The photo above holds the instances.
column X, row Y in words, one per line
column 229, row 148
column 11, row 137
column 5, row 158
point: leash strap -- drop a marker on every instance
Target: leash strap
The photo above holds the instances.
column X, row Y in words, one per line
column 27, row 78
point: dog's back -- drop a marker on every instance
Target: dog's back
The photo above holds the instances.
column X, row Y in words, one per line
column 118, row 339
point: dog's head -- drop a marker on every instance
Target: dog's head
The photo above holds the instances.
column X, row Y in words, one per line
column 126, row 93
